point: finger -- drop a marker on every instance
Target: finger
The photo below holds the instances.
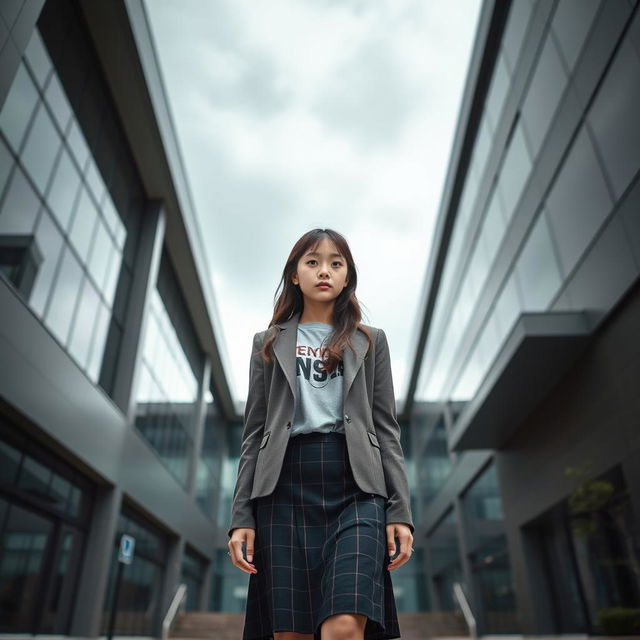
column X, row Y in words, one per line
column 239, row 561
column 391, row 545
column 403, row 556
column 250, row 540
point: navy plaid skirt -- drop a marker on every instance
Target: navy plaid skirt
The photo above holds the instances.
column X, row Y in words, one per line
column 320, row 547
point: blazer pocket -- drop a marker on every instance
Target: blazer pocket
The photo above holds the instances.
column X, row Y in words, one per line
column 374, row 439
column 264, row 439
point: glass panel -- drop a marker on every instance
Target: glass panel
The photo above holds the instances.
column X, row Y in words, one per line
column 571, row 24
column 498, row 90
column 113, row 271
column 58, row 103
column 543, row 95
column 578, row 202
column 77, row 144
column 537, row 268
column 482, row 147
column 84, row 222
column 94, row 180
column 508, row 306
column 38, row 58
column 99, row 340
column 614, row 118
column 84, row 324
column 515, row 31
column 41, row 149
column 110, row 214
column 50, row 242
column 493, row 226
column 22, row 556
column 64, row 189
column 6, row 164
column 34, row 477
column 444, row 555
column 514, row 172
column 18, row 107
column 100, row 253
column 59, row 493
column 65, row 293
column 21, row 205
column 9, row 463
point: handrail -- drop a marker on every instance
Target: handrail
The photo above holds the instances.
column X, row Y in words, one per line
column 466, row 609
column 178, row 600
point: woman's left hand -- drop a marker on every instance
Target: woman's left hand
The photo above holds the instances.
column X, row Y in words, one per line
column 403, row 532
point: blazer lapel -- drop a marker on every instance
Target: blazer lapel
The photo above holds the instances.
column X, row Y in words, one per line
column 284, row 349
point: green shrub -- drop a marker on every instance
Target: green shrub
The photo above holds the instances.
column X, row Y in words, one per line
column 619, row 620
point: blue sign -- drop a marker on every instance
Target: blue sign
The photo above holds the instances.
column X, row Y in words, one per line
column 127, row 545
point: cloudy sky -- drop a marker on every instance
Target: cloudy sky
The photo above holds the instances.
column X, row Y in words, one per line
column 295, row 114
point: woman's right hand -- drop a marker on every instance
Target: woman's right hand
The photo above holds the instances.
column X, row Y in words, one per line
column 238, row 536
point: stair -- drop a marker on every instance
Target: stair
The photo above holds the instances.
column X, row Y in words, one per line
column 196, row 625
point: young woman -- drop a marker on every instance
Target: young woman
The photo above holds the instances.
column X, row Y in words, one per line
column 321, row 493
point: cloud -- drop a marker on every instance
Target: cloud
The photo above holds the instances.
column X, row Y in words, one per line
column 368, row 97
column 294, row 114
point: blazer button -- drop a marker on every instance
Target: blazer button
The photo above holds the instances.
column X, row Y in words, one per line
column 289, row 424
column 347, row 418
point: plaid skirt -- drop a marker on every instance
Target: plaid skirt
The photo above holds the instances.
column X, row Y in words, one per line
column 320, row 547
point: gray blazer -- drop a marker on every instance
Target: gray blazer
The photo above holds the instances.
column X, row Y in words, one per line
column 371, row 428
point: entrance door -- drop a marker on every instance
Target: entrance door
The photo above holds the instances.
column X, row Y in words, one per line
column 24, row 547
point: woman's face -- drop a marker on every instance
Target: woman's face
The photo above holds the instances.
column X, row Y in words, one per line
column 325, row 264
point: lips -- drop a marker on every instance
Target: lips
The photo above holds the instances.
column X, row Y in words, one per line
column 323, row 285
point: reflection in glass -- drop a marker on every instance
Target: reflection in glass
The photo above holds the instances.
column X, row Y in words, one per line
column 444, row 562
column 498, row 90
column 167, row 391
column 514, row 172
column 84, row 323
column 64, row 189
column 20, row 206
column 543, row 95
column 436, row 465
column 537, row 268
column 508, row 306
column 84, row 222
column 58, row 103
column 50, row 242
column 578, row 202
column 41, row 148
column 22, row 557
column 63, row 298
column 571, row 23
column 38, row 58
column 613, row 117
column 18, row 107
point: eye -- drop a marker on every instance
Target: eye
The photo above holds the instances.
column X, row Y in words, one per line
column 337, row 262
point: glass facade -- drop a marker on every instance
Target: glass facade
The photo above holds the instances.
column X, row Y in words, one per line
column 167, row 392
column 444, row 562
column 209, row 466
column 61, row 238
column 600, row 161
column 488, row 554
column 554, row 160
column 590, row 551
column 44, row 515
column 139, row 589
column 193, row 572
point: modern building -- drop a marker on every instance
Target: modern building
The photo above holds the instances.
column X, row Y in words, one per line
column 524, row 399
column 115, row 414
column 520, row 428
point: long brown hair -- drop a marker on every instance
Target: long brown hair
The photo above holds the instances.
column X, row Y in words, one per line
column 346, row 311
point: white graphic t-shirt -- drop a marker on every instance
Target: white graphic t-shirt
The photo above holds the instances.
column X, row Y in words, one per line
column 319, row 402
